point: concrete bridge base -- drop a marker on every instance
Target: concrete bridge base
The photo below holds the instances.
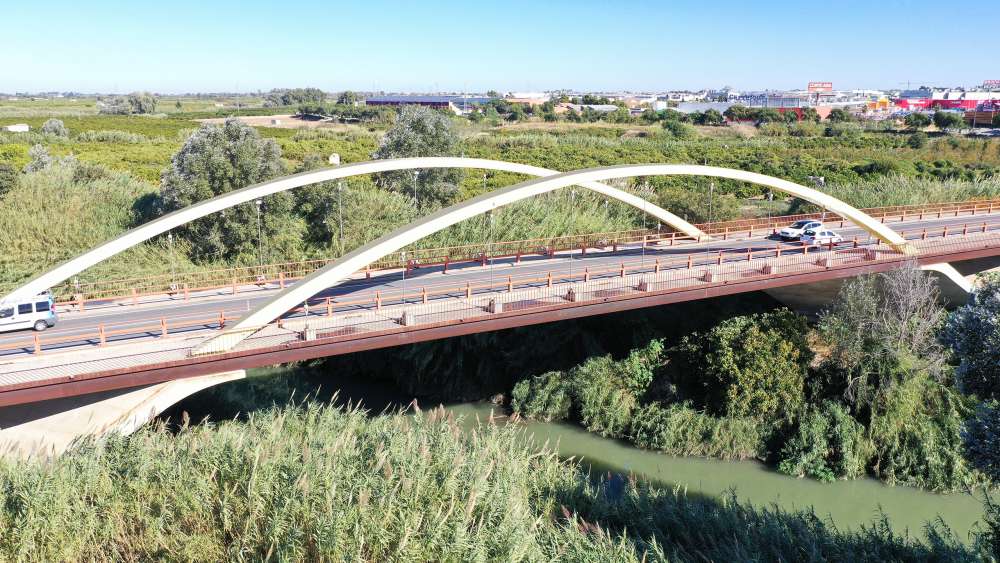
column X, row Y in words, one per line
column 48, row 428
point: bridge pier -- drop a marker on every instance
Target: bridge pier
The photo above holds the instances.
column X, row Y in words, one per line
column 48, row 428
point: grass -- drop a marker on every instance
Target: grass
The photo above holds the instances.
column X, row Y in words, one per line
column 318, row 483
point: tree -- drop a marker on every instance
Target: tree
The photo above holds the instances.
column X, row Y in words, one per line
column 141, row 102
column 917, row 140
column 420, row 131
column 294, row 96
column 347, row 97
column 810, row 114
column 737, row 113
column 916, row 121
column 973, row 334
column 678, row 129
column 177, row 105
column 747, row 366
column 55, row 127
column 217, row 159
column 40, row 159
column 8, row 178
column 882, row 330
column 712, row 117
column 996, row 120
column 840, row 115
column 948, row 120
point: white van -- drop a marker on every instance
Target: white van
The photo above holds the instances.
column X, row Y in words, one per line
column 37, row 313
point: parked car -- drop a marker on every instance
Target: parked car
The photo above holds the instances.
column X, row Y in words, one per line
column 37, row 313
column 795, row 230
column 820, row 236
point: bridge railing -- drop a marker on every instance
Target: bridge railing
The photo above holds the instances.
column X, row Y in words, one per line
column 245, row 278
column 703, row 268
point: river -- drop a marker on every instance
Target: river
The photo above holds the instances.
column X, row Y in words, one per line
column 849, row 504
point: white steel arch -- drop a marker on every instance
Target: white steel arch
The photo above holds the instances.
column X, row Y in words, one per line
column 73, row 266
column 356, row 260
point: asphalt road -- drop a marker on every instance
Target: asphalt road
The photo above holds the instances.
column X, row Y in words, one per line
column 143, row 320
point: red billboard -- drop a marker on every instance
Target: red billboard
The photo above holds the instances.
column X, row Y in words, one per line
column 820, row 87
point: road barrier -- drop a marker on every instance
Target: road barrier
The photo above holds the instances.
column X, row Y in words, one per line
column 235, row 280
column 705, row 267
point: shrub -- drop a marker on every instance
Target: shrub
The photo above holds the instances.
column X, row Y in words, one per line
column 847, row 130
column 806, row 128
column 111, row 136
column 917, row 140
column 772, row 129
column 547, row 397
column 678, row 429
column 981, row 439
column 916, row 433
column 751, row 366
column 8, row 178
column 829, row 444
column 916, row 121
column 55, row 127
column 40, row 159
column 605, row 401
column 678, row 129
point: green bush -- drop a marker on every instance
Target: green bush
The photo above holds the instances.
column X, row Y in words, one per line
column 547, row 397
column 973, row 333
column 680, row 430
column 8, row 178
column 829, row 444
column 981, row 440
column 917, row 438
column 678, row 129
column 751, row 366
column 772, row 129
column 917, row 140
column 111, row 136
column 604, row 400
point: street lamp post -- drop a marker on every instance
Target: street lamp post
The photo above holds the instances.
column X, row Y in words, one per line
column 260, row 232
column 416, row 174
column 340, row 216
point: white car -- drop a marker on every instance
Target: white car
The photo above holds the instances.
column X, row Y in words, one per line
column 795, row 230
column 37, row 313
column 820, row 236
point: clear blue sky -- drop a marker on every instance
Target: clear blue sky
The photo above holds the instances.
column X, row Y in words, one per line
column 226, row 45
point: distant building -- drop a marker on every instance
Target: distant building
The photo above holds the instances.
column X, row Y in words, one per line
column 17, row 128
column 599, row 108
column 528, row 98
column 456, row 104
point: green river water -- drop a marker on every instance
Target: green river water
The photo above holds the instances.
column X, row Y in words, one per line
column 848, row 504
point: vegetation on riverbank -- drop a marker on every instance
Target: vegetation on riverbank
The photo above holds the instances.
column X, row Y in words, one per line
column 320, row 483
column 878, row 399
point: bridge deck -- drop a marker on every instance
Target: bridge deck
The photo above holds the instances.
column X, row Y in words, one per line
column 321, row 330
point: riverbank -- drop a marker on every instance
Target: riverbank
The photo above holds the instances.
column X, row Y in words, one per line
column 849, row 505
column 311, row 482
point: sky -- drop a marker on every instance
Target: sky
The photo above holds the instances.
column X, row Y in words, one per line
column 423, row 46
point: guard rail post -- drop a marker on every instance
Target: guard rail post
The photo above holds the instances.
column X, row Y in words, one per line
column 38, row 344
column 163, row 326
column 100, row 334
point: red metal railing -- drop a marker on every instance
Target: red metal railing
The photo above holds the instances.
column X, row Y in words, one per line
column 686, row 269
column 133, row 289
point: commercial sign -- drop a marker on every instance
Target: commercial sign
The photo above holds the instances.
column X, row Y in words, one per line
column 820, row 87
column 990, row 84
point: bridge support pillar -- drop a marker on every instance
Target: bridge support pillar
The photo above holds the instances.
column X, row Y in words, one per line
column 48, row 428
